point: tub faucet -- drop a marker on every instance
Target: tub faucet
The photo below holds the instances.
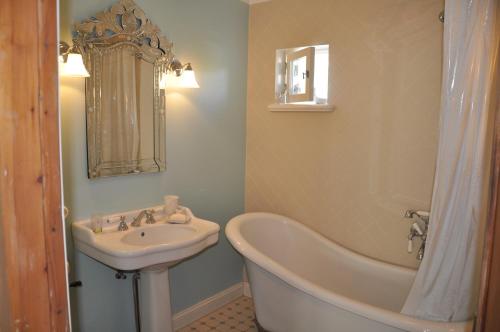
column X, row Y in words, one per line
column 422, row 215
column 421, row 250
column 418, row 230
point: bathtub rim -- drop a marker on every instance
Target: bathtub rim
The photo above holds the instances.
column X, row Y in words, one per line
column 385, row 316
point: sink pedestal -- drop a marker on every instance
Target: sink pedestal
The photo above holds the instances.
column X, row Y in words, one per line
column 154, row 297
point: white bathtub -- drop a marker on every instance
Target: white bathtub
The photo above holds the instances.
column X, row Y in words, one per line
column 302, row 282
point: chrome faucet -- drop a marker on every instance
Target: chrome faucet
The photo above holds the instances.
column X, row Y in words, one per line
column 123, row 225
column 144, row 213
column 421, row 250
column 422, row 215
column 417, row 231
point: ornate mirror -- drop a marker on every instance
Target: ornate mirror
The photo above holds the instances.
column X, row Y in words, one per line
column 126, row 56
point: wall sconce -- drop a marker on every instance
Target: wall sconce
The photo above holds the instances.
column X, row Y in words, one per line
column 179, row 76
column 71, row 62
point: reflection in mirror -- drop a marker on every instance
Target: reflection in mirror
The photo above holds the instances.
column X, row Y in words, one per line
column 126, row 56
column 298, row 76
column 126, row 114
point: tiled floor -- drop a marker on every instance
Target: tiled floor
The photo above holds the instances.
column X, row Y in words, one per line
column 237, row 316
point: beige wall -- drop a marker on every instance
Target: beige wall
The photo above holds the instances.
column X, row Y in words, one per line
column 348, row 174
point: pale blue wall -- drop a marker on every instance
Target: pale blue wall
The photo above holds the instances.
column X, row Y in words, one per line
column 205, row 156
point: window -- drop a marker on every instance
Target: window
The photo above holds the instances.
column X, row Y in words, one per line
column 302, row 75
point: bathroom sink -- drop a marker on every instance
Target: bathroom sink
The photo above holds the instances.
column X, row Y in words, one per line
column 150, row 249
column 144, row 246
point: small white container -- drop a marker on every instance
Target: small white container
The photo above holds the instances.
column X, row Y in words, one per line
column 96, row 220
column 171, row 204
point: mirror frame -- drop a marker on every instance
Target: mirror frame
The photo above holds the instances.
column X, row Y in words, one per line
column 123, row 24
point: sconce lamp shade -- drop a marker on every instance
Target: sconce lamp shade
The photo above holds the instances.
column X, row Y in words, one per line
column 188, row 80
column 73, row 67
column 179, row 78
column 170, row 80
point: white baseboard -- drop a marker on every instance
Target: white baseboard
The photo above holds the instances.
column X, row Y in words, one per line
column 246, row 289
column 203, row 308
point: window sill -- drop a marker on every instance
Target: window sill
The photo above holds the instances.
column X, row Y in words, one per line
column 301, row 108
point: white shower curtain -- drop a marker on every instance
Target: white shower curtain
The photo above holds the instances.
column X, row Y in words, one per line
column 445, row 287
column 119, row 117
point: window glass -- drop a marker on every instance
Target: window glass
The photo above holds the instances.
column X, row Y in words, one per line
column 321, row 74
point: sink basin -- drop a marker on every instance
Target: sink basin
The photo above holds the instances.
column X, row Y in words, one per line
column 162, row 235
column 146, row 245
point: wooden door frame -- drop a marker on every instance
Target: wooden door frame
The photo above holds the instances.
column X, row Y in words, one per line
column 33, row 283
column 488, row 319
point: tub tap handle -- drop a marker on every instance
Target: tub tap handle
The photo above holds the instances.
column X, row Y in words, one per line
column 410, row 245
column 417, row 229
column 410, row 240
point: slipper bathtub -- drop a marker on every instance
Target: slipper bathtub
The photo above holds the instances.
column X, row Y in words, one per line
column 302, row 282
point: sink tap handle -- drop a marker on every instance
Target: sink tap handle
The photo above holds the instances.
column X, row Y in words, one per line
column 123, row 225
column 150, row 219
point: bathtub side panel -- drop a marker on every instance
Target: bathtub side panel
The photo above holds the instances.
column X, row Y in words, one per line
column 280, row 307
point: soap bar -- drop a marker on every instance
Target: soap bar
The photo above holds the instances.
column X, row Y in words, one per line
column 178, row 218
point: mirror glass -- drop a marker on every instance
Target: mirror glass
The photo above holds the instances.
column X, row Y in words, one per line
column 298, row 76
column 125, row 108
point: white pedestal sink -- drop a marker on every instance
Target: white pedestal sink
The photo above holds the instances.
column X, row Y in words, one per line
column 150, row 248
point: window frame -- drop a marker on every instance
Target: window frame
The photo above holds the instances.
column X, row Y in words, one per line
column 309, row 54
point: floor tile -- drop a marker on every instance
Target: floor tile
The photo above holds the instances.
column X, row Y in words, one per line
column 237, row 316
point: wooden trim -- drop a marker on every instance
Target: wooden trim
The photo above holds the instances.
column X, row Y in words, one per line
column 488, row 319
column 489, row 297
column 33, row 285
